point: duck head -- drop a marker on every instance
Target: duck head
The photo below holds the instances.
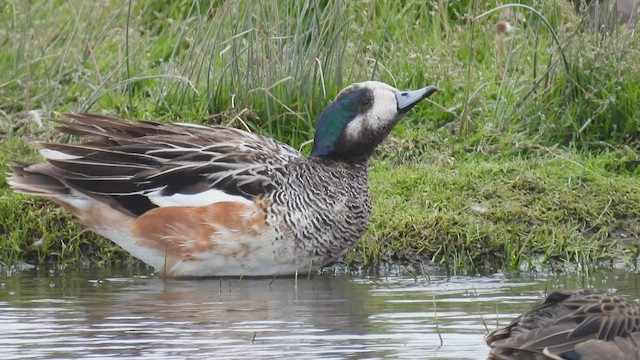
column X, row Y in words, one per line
column 361, row 117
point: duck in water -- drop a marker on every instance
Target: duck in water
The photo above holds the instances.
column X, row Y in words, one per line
column 571, row 325
column 194, row 200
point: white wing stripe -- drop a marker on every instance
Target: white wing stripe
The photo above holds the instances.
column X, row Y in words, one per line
column 57, row 155
column 200, row 199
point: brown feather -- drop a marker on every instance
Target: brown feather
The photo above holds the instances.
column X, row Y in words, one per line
column 561, row 322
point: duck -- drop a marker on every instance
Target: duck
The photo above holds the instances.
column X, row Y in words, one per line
column 573, row 325
column 206, row 201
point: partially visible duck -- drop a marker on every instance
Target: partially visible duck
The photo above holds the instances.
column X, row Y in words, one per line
column 572, row 325
column 195, row 200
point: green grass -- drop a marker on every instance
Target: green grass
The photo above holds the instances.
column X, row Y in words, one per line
column 516, row 208
column 527, row 157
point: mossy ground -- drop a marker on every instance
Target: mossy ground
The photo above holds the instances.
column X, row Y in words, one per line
column 527, row 157
column 512, row 207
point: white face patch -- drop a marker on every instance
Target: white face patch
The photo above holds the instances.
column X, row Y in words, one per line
column 383, row 112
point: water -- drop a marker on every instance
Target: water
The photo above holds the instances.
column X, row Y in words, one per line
column 129, row 314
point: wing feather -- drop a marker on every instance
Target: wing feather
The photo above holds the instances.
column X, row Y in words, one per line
column 121, row 158
column 564, row 320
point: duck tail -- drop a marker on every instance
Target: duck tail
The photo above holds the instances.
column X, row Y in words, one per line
column 36, row 179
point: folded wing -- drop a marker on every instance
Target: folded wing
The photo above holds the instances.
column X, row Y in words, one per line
column 141, row 165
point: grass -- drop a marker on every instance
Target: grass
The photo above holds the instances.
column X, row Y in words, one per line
column 515, row 208
column 527, row 157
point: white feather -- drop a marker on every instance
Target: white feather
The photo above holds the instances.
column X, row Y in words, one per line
column 57, row 155
column 197, row 126
column 200, row 199
column 76, row 199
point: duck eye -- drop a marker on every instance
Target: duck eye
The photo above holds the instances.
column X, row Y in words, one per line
column 366, row 100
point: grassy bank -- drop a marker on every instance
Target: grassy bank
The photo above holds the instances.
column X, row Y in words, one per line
column 527, row 157
column 513, row 206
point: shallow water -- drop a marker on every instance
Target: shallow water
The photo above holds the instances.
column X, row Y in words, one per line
column 130, row 314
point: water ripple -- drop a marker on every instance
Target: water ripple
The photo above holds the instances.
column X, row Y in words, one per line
column 92, row 315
